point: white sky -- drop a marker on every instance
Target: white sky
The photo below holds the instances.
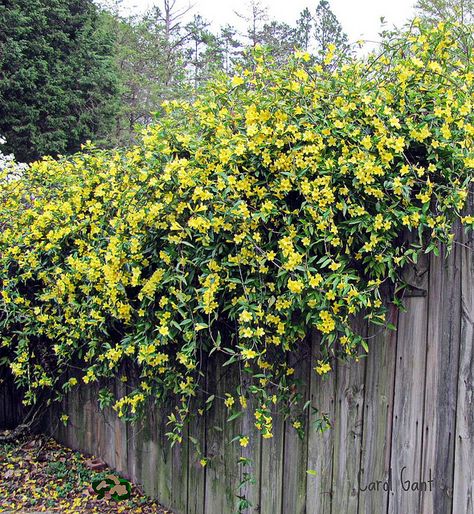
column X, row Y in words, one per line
column 359, row 18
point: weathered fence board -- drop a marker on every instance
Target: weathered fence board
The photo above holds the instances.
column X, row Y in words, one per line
column 271, row 470
column 222, row 453
column 11, row 409
column 408, row 402
column 320, row 443
column 295, row 449
column 253, row 452
column 348, row 432
column 442, row 361
column 377, row 421
column 196, row 482
column 463, row 496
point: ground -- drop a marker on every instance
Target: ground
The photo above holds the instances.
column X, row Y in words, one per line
column 39, row 475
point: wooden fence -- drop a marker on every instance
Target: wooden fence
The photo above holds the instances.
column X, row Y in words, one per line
column 11, row 409
column 402, row 439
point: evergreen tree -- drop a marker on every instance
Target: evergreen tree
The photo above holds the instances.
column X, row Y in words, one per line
column 59, row 84
column 204, row 54
column 280, row 39
column 255, row 16
column 304, row 29
column 150, row 61
column 328, row 30
column 230, row 47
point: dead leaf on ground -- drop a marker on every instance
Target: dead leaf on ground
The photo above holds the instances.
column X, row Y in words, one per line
column 96, row 464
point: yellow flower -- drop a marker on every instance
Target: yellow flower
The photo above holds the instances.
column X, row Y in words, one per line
column 244, row 441
column 89, row 377
column 164, row 331
column 271, row 256
column 302, row 55
column 322, row 368
column 245, row 316
column 316, row 280
column 248, row 354
column 295, row 286
column 237, row 81
column 326, row 322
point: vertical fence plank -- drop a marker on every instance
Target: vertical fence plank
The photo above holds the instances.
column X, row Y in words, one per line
column 251, row 489
column 135, row 450
column 296, row 450
column 214, row 451
column 407, row 430
column 463, row 498
column 196, row 481
column 77, row 440
column 11, row 407
column 442, row 361
column 377, row 426
column 154, row 470
column 348, row 431
column 271, row 469
column 179, row 461
column 164, row 468
column 106, row 437
column 87, row 396
column 320, row 444
column 120, row 436
column 232, row 450
column 222, row 471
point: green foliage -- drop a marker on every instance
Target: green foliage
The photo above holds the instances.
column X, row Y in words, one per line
column 275, row 203
column 58, row 85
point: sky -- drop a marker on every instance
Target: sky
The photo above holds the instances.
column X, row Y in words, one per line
column 360, row 19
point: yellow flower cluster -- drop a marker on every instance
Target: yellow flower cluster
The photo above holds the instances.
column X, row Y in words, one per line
column 326, row 323
column 264, row 421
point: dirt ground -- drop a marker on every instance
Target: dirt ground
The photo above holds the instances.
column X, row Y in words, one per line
column 41, row 476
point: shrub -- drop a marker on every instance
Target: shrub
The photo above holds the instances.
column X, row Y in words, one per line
column 275, row 202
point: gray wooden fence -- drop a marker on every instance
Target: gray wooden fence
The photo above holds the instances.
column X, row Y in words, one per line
column 403, row 420
column 11, row 408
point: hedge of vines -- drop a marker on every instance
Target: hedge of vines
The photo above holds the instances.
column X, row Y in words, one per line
column 274, row 203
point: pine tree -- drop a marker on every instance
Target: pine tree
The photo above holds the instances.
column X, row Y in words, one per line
column 328, row 30
column 304, row 29
column 204, row 54
column 280, row 40
column 230, row 47
column 59, row 84
column 255, row 16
